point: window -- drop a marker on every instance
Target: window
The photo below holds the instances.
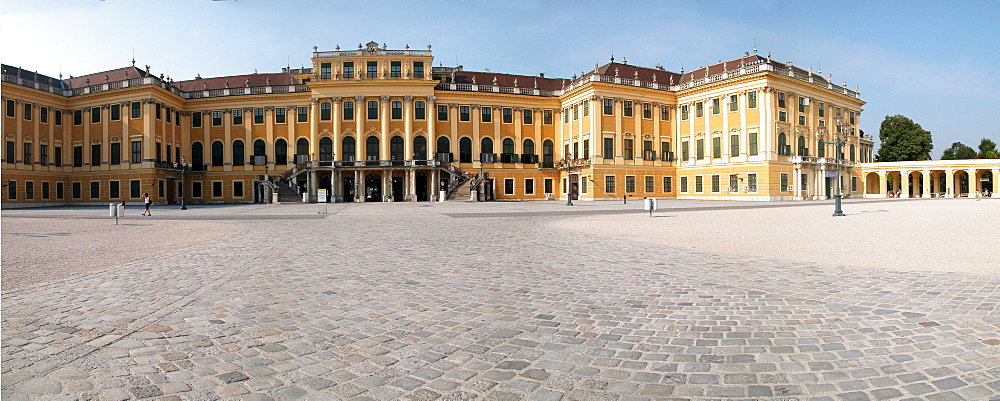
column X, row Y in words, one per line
column 45, row 190
column 782, row 116
column 27, row 111
column 802, row 104
column 442, row 112
column 664, row 113
column 216, row 118
column 734, row 183
column 77, row 117
column 348, row 149
column 487, row 115
column 784, row 182
column 716, row 183
column 699, row 183
column 609, row 184
column 159, row 110
column 565, row 114
column 684, row 184
column 136, row 109
column 217, row 153
column 699, row 109
column 116, row 153
column 586, row 148
column 465, row 150
column 609, row 148
column 27, row 153
column 716, row 108
column 420, row 110
column 668, row 184
column 237, row 189
column 804, row 179
column 95, row 189
column 821, row 148
column 852, row 117
column 371, row 148
column 529, row 186
column 10, row 107
column 781, row 99
column 802, row 120
column 685, row 150
column 258, row 115
column 58, row 114
column 280, row 152
column 508, row 186
column 734, row 145
column 397, row 110
column 665, row 152
column 854, row 184
column 95, row 155
column 576, row 112
column 700, row 149
column 78, row 156
column 168, row 114
column 586, row 108
column 630, row 184
column 324, row 112
column 647, row 151
column 168, row 153
column 396, row 69
column 348, row 69
column 752, row 144
column 685, row 112
column 43, row 154
column 77, row 190
column 238, row 159
column 628, row 108
column 463, row 113
column 821, row 109
column 303, row 114
column 650, row 184
column 11, row 189
column 324, row 70
column 279, row 115
column 216, row 189
column 197, row 156
column 59, row 190
column 237, row 116
column 396, row 148
column 196, row 189
column 114, row 189
column 548, row 185
column 57, row 156
column 717, row 147
column 418, row 69
column 373, row 110
column 803, row 150
column 43, row 113
column 196, row 119
column 609, row 107
column 852, row 153
column 372, row 69
column 527, row 117
column 627, row 149
column 116, row 112
column 159, row 152
column 647, row 110
column 752, row 100
column 136, row 152
column 508, row 115
column 95, row 115
column 783, row 148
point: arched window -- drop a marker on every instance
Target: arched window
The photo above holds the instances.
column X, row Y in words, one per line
column 326, row 149
column 443, row 145
column 348, row 149
column 803, row 150
column 465, row 150
column 281, row 151
column 782, row 143
column 420, row 148
column 259, row 152
column 371, row 148
column 396, row 148
column 197, row 156
column 486, row 145
column 529, row 147
column 508, row 146
column 301, row 150
column 238, row 153
column 217, row 153
column 821, row 148
column 547, row 148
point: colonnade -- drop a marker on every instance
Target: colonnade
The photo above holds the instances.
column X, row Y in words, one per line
column 926, row 183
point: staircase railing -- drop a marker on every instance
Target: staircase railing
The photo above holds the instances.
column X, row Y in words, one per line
column 459, row 178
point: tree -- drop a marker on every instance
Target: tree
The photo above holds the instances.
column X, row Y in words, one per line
column 903, row 140
column 958, row 151
column 988, row 149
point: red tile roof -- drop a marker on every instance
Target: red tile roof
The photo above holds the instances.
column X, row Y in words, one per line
column 112, row 75
column 236, row 81
column 520, row 81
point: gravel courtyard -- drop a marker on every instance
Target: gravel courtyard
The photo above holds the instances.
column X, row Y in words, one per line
column 503, row 301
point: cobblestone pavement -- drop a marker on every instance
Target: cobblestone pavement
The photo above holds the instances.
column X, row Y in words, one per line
column 397, row 301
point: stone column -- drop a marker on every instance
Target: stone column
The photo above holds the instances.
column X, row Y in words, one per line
column 408, row 148
column 312, row 184
column 904, row 181
column 383, row 116
column 313, row 129
column 338, row 117
column 973, row 182
column 996, row 179
column 359, row 186
column 359, row 128
column 926, row 193
column 882, row 187
column 796, row 180
column 411, row 185
column 949, row 183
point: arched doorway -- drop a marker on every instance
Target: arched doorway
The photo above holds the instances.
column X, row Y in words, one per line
column 421, row 184
column 444, row 147
column 398, row 189
column 872, row 186
column 465, row 150
column 373, row 187
column 280, row 152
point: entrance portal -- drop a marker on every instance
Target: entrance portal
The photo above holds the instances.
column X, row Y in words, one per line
column 574, row 186
column 373, row 188
column 348, row 189
column 397, row 189
column 421, row 184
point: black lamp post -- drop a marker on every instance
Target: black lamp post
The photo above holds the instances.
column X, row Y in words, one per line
column 568, row 163
column 839, row 142
column 184, row 167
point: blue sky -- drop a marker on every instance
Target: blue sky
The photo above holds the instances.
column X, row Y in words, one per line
column 935, row 62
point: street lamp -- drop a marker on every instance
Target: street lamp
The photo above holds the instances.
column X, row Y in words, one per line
column 839, row 142
column 184, row 167
column 568, row 163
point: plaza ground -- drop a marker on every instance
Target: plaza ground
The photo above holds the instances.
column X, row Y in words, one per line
column 530, row 300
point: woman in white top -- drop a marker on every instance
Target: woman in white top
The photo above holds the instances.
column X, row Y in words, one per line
column 147, row 201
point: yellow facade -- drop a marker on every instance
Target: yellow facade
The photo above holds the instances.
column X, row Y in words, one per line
column 375, row 124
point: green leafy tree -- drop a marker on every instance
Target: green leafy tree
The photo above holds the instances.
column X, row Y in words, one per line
column 958, row 151
column 988, row 149
column 903, row 140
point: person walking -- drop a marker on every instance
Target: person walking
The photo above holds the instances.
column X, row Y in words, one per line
column 147, row 202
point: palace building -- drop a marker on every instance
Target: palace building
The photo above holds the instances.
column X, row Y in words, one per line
column 374, row 124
